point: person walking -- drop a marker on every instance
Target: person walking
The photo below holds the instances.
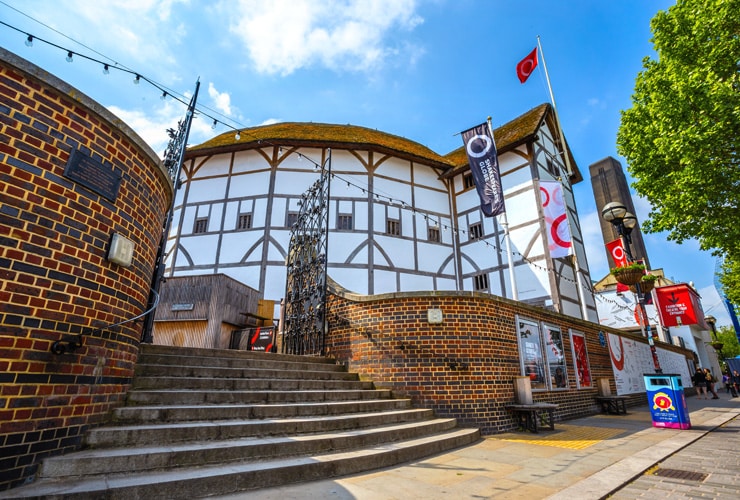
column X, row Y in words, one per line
column 736, row 380
column 729, row 384
column 711, row 380
column 700, row 383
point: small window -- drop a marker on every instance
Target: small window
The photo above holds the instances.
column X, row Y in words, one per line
column 201, row 225
column 433, row 234
column 244, row 222
column 393, row 226
column 476, row 231
column 480, row 282
column 468, row 181
column 292, row 219
column 344, row 222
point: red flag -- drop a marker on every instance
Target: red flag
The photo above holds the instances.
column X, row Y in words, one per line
column 616, row 250
column 526, row 66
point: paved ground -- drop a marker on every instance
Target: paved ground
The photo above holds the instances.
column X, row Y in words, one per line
column 620, row 457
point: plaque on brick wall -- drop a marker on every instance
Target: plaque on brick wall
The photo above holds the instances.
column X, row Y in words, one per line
column 93, row 174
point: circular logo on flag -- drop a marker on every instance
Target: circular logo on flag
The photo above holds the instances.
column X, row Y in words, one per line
column 618, row 254
column 475, row 148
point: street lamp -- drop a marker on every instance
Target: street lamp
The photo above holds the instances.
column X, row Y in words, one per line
column 624, row 222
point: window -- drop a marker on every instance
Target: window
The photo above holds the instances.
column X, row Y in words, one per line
column 393, row 226
column 557, row 368
column 244, row 222
column 530, row 354
column 468, row 181
column 344, row 222
column 433, row 234
column 201, row 225
column 476, row 231
column 480, row 282
column 292, row 219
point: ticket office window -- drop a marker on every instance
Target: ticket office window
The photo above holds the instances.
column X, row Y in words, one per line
column 531, row 354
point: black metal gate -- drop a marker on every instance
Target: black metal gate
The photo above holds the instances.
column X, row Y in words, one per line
column 304, row 322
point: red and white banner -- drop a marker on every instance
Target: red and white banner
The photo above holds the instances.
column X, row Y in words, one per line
column 679, row 305
column 556, row 218
column 616, row 250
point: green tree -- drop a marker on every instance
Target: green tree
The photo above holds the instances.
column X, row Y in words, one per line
column 680, row 137
column 730, row 346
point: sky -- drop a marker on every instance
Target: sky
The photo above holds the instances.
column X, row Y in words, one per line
column 421, row 69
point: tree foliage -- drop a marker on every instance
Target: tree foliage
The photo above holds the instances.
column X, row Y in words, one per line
column 680, row 137
column 730, row 347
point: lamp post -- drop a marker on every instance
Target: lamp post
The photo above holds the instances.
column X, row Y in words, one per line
column 624, row 222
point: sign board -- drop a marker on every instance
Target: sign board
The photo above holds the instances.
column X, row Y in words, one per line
column 679, row 305
column 93, row 174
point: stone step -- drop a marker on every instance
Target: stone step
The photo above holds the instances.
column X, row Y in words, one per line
column 196, row 397
column 203, row 354
column 263, row 361
column 144, row 435
column 157, row 413
column 156, row 370
column 203, row 453
column 204, row 481
column 243, row 384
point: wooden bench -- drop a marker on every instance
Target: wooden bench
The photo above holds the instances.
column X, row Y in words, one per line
column 613, row 404
column 530, row 416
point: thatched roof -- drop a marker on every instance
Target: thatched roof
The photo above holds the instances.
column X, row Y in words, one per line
column 286, row 134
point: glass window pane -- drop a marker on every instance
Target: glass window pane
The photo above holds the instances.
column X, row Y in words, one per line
column 555, row 357
column 530, row 345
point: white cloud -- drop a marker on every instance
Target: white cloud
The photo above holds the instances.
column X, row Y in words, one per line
column 222, row 100
column 283, row 36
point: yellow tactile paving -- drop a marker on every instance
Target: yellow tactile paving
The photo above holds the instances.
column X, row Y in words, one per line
column 574, row 437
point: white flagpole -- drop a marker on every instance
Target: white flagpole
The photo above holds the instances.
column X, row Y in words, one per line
column 569, row 172
column 507, row 238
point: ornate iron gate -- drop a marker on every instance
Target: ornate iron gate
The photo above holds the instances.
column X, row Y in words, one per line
column 304, row 322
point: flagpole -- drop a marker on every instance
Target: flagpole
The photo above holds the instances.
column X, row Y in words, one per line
column 566, row 181
column 507, row 238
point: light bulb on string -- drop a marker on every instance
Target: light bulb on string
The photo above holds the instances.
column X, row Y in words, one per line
column 29, row 41
column 106, row 69
column 137, row 80
column 215, row 122
column 69, row 56
column 164, row 95
column 237, row 136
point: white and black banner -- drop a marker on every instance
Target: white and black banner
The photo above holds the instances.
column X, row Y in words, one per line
column 483, row 160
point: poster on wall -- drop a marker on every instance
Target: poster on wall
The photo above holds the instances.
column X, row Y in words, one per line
column 580, row 360
column 631, row 360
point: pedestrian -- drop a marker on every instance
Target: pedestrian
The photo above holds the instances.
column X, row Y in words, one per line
column 700, row 383
column 730, row 384
column 711, row 380
column 736, row 380
column 726, row 381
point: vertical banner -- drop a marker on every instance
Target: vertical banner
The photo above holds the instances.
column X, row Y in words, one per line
column 580, row 359
column 483, row 160
column 616, row 250
column 556, row 218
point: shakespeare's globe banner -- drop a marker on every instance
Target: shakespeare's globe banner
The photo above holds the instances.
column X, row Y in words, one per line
column 483, row 160
column 556, row 218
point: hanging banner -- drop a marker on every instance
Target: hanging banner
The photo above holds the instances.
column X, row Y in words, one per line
column 556, row 218
column 679, row 305
column 483, row 160
column 616, row 250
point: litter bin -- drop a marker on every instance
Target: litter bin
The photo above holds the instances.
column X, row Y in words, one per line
column 666, row 401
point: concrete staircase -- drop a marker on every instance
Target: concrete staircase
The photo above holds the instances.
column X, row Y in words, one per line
column 202, row 422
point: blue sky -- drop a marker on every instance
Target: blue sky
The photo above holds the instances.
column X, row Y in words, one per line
column 421, row 69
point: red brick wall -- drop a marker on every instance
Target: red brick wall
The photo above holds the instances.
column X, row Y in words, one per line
column 464, row 367
column 55, row 280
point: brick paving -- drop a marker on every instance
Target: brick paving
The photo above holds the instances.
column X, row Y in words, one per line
column 715, row 458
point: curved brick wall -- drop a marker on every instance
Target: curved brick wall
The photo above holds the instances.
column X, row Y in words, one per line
column 465, row 366
column 55, row 279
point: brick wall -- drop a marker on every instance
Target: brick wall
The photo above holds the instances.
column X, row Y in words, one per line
column 55, row 280
column 465, row 366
